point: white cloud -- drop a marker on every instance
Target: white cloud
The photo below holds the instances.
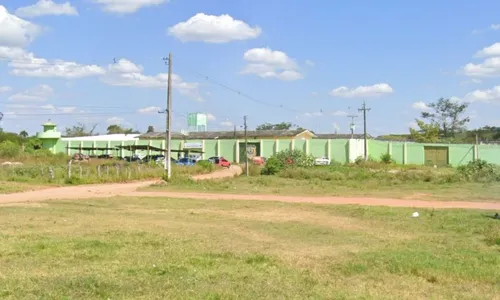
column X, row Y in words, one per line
column 39, row 93
column 126, row 73
column 339, row 113
column 227, row 124
column 420, row 106
column 149, row 109
column 126, row 6
column 268, row 63
column 490, row 67
column 362, row 91
column 211, row 117
column 492, row 50
column 213, row 29
column 47, row 7
column 115, row 121
column 487, row 95
column 310, row 63
column 495, row 26
column 16, row 32
column 16, row 109
column 24, row 63
column 314, row 114
column 5, row 89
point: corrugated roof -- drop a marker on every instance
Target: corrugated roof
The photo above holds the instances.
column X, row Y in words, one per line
column 251, row 134
column 333, row 136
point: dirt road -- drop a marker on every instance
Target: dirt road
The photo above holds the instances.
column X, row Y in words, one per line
column 130, row 190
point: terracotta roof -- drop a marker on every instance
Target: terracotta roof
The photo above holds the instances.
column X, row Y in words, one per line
column 340, row 136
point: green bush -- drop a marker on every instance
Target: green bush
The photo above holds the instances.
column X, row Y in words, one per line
column 386, row 158
column 287, row 159
column 9, row 149
column 206, row 165
column 272, row 167
column 480, row 170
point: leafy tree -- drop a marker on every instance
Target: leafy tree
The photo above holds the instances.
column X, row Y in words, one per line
column 427, row 133
column 79, row 129
column 151, row 129
column 24, row 134
column 116, row 129
column 279, row 126
column 448, row 116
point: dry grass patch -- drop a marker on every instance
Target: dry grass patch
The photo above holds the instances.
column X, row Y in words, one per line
column 147, row 248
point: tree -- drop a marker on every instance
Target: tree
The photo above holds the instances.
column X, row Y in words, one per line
column 427, row 133
column 279, row 126
column 116, row 129
column 448, row 116
column 79, row 129
column 151, row 129
column 23, row 134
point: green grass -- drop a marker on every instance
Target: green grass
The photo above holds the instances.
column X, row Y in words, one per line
column 130, row 248
column 39, row 175
column 421, row 184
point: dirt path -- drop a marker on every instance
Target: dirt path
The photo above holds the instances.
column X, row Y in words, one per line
column 232, row 171
column 130, row 190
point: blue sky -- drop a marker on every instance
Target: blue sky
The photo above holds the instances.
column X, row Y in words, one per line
column 307, row 62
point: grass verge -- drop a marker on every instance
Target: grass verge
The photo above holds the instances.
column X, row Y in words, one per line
column 132, row 248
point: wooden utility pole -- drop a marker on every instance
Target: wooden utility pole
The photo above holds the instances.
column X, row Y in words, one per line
column 246, row 144
column 364, row 110
column 168, row 120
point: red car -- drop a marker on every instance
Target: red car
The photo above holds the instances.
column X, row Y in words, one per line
column 221, row 161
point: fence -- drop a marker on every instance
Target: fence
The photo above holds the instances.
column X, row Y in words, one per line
column 340, row 150
column 79, row 173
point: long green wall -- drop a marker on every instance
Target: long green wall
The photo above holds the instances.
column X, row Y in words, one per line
column 335, row 149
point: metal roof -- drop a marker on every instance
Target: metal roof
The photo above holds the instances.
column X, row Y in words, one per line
column 207, row 135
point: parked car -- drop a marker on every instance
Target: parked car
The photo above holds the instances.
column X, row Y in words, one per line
column 220, row 161
column 322, row 161
column 213, row 159
column 259, row 160
column 186, row 161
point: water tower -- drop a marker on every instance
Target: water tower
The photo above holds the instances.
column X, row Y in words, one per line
column 197, row 122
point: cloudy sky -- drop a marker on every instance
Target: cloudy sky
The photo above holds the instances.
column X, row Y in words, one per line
column 308, row 62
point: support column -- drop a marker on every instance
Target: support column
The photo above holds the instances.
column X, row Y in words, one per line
column 108, row 145
column 150, row 143
column 329, row 149
column 218, row 148
column 276, row 146
column 203, row 149
column 261, row 148
column 405, row 153
column 292, row 145
column 476, row 152
column 94, row 144
column 389, row 148
column 135, row 144
column 307, row 147
column 122, row 143
column 68, row 150
column 237, row 150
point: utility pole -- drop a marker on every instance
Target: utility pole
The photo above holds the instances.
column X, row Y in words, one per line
column 168, row 120
column 364, row 110
column 352, row 125
column 246, row 144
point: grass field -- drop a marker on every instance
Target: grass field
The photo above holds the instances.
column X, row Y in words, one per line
column 127, row 248
column 391, row 186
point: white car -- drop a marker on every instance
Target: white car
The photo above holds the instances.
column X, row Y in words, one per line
column 322, row 161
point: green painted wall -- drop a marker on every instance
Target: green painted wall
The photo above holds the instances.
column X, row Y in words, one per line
column 377, row 148
column 397, row 152
column 415, row 154
column 460, row 154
